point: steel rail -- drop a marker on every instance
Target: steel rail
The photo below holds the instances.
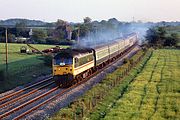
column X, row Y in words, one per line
column 28, row 102
column 22, row 90
column 25, row 95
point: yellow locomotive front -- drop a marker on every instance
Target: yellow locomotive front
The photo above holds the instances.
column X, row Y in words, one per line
column 63, row 68
column 70, row 64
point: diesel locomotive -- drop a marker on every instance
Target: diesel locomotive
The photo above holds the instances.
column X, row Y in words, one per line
column 72, row 65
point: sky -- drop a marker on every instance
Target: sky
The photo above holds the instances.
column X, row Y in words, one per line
column 76, row 10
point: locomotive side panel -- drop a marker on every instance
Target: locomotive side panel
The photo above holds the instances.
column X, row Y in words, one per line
column 83, row 63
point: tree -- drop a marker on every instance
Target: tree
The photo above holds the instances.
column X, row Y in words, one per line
column 61, row 23
column 84, row 29
column 21, row 29
column 60, row 31
column 152, row 36
column 161, row 32
column 171, row 40
column 39, row 36
column 87, row 20
column 176, row 38
column 156, row 36
column 11, row 37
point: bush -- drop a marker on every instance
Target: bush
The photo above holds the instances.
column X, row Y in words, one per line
column 125, row 60
column 2, row 75
column 48, row 60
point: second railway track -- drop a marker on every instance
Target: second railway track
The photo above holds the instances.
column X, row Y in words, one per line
column 12, row 100
column 9, row 104
column 10, row 95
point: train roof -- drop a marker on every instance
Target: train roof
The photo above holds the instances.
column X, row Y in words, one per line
column 106, row 45
column 115, row 41
column 73, row 52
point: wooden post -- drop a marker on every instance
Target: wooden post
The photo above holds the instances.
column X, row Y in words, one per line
column 78, row 33
column 6, row 74
column 6, row 49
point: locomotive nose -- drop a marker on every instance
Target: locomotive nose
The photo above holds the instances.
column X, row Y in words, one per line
column 62, row 70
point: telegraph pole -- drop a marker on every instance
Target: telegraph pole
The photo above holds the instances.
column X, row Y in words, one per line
column 78, row 34
column 6, row 49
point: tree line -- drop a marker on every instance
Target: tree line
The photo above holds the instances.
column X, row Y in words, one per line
column 62, row 31
column 52, row 33
column 159, row 36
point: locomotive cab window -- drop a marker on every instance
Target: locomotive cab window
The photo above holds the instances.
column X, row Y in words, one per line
column 76, row 60
column 63, row 61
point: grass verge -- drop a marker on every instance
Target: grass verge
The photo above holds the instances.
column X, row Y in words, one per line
column 154, row 93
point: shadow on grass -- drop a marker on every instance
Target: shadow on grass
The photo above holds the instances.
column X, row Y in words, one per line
column 22, row 72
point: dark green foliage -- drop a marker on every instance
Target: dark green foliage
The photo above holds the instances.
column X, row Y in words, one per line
column 87, row 20
column 157, row 36
column 60, row 30
column 126, row 60
column 48, row 60
column 39, row 36
column 161, row 32
column 21, row 29
column 152, row 36
column 171, row 40
column 11, row 37
column 2, row 75
column 131, row 61
column 84, row 29
column 51, row 40
column 12, row 33
column 78, row 110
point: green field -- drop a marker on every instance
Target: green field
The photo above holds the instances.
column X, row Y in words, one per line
column 154, row 93
column 22, row 68
column 14, row 52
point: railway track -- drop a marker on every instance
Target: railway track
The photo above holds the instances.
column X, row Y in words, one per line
column 10, row 101
column 6, row 97
column 32, row 108
column 9, row 104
